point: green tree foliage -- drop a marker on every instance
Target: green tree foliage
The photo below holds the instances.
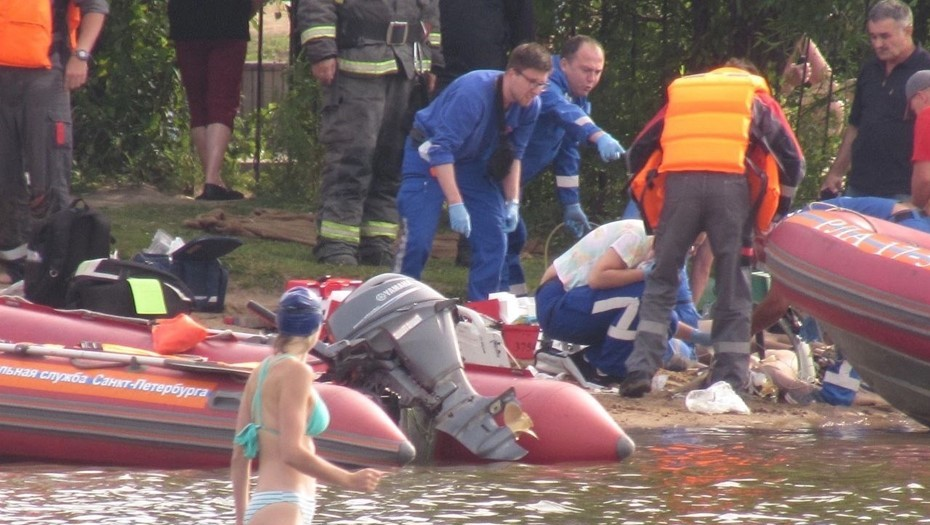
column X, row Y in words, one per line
column 131, row 117
column 132, row 122
column 650, row 42
column 290, row 141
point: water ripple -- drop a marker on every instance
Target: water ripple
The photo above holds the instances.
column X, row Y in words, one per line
column 676, row 477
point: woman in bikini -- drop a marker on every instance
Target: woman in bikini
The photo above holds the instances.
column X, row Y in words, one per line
column 279, row 414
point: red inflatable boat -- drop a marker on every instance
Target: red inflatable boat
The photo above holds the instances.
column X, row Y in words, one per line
column 111, row 408
column 867, row 281
column 569, row 424
column 173, row 412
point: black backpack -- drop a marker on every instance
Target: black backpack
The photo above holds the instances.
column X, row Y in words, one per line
column 198, row 265
column 58, row 244
column 106, row 286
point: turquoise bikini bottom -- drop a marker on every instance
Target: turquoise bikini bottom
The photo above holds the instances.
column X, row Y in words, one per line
column 260, row 500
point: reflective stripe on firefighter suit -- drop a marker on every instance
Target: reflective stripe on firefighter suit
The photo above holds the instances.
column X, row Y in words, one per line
column 460, row 126
column 564, row 123
column 35, row 116
column 364, row 109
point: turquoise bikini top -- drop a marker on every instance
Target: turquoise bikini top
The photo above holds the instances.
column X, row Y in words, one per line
column 248, row 436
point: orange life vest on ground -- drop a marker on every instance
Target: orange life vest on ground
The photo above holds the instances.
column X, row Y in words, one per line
column 706, row 128
column 26, row 28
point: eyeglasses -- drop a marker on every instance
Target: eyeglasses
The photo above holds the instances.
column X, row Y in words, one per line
column 540, row 85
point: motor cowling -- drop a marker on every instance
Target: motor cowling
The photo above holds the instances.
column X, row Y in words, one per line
column 397, row 332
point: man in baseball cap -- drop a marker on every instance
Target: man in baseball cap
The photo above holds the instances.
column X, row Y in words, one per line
column 917, row 91
column 919, row 81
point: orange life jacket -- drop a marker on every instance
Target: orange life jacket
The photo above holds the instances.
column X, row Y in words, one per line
column 26, row 28
column 706, row 128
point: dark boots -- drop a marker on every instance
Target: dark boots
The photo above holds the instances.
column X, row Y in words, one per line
column 376, row 251
column 335, row 253
column 732, row 368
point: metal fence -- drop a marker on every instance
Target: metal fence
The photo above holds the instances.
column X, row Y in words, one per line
column 274, row 84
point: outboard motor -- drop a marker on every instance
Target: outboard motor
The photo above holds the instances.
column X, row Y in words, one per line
column 398, row 334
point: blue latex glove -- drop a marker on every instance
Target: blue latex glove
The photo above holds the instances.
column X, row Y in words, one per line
column 459, row 219
column 701, row 338
column 647, row 267
column 511, row 216
column 609, row 148
column 576, row 220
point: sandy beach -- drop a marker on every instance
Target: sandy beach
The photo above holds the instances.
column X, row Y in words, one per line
column 667, row 408
column 656, row 410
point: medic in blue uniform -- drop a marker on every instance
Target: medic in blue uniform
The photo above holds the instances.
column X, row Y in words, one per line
column 590, row 295
column 448, row 157
column 564, row 125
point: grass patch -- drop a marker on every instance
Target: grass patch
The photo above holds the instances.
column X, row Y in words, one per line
column 266, row 265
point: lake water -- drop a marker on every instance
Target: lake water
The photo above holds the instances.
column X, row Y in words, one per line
column 843, row 476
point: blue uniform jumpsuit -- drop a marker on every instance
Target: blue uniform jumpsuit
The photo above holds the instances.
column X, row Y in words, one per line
column 563, row 124
column 461, row 127
column 604, row 319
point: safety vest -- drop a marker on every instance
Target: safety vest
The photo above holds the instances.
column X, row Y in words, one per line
column 26, row 32
column 706, row 128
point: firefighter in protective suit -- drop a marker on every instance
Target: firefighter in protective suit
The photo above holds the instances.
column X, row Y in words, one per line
column 367, row 56
column 719, row 158
column 45, row 50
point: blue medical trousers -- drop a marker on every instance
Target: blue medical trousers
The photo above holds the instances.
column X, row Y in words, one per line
column 513, row 280
column 419, row 203
column 606, row 320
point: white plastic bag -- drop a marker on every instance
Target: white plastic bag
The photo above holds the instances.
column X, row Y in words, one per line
column 719, row 398
column 163, row 244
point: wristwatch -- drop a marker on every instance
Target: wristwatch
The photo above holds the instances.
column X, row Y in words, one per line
column 82, row 54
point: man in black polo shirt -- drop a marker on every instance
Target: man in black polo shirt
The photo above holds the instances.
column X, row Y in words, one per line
column 479, row 34
column 879, row 139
